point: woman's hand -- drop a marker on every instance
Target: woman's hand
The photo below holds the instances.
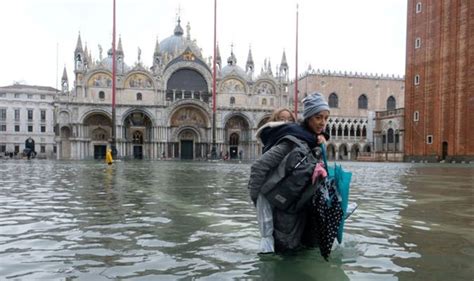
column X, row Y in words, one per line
column 321, row 139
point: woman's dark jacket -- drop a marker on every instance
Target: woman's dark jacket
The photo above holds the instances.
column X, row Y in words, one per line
column 288, row 228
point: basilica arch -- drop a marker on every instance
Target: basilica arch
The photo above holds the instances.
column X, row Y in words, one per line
column 189, row 124
column 237, row 136
column 97, row 129
column 138, row 80
column 100, row 79
column 137, row 132
column 186, row 81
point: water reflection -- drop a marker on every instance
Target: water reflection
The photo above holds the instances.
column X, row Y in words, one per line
column 183, row 220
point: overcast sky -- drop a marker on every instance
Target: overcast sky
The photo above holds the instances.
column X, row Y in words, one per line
column 39, row 36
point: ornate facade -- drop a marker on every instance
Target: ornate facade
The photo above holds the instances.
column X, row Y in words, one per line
column 165, row 111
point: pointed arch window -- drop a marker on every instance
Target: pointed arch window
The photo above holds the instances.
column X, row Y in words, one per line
column 391, row 103
column 139, row 96
column 333, row 100
column 363, row 101
column 101, row 95
column 232, row 100
column 264, row 101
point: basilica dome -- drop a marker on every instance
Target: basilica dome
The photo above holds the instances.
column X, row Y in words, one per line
column 177, row 43
column 232, row 67
column 106, row 62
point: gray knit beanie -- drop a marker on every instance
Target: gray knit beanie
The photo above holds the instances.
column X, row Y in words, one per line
column 313, row 104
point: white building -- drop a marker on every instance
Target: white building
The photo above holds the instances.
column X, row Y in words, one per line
column 27, row 112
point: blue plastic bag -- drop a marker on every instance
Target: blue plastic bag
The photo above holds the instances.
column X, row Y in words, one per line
column 343, row 181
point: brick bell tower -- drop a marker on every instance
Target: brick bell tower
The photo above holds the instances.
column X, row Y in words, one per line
column 439, row 85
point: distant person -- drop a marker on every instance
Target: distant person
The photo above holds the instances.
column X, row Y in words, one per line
column 108, row 156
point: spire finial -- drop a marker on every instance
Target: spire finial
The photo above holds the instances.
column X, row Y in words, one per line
column 188, row 31
column 119, row 47
column 178, row 30
column 100, row 52
column 79, row 44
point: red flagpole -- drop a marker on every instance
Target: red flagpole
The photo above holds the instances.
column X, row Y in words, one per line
column 296, row 66
column 214, row 63
column 113, row 83
column 214, row 145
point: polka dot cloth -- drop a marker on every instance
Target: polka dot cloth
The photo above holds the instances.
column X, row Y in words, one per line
column 327, row 215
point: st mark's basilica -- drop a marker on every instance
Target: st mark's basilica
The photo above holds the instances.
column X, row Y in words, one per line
column 165, row 111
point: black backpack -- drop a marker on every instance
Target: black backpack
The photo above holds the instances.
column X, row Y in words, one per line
column 288, row 187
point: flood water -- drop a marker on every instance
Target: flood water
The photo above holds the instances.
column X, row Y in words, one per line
column 166, row 220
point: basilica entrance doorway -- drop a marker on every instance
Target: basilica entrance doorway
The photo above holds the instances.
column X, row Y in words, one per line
column 99, row 151
column 138, row 152
column 187, row 139
column 97, row 129
column 187, row 150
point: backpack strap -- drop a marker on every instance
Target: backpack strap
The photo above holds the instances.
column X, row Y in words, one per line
column 294, row 140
